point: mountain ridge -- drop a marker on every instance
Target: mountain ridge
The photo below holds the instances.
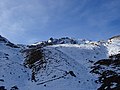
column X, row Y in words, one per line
column 55, row 64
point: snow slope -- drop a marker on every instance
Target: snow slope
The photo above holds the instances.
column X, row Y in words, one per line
column 12, row 71
column 67, row 64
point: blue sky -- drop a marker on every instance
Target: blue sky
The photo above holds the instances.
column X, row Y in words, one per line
column 29, row 21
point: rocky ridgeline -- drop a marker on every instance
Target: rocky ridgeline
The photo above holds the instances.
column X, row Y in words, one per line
column 7, row 43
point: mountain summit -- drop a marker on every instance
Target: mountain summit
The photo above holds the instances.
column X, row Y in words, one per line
column 60, row 64
column 7, row 42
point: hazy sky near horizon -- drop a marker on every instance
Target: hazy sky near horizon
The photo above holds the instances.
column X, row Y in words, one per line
column 29, row 21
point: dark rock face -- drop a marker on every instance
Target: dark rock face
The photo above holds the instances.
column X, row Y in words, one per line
column 2, row 88
column 12, row 45
column 63, row 41
column 118, row 36
column 72, row 73
column 33, row 56
column 14, row 88
column 108, row 71
column 2, row 39
column 34, row 60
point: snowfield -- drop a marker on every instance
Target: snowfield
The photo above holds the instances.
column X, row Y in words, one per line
column 65, row 64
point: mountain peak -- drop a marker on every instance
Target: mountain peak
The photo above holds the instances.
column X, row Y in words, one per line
column 3, row 40
column 115, row 37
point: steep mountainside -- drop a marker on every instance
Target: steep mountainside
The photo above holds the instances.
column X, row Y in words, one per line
column 60, row 64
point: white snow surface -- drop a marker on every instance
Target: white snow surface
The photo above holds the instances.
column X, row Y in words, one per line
column 61, row 59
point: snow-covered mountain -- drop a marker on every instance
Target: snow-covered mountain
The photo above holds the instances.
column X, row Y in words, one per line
column 60, row 64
